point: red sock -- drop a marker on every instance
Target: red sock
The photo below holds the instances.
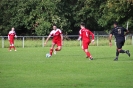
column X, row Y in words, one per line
column 51, row 51
column 13, row 47
column 88, row 54
column 10, row 47
column 57, row 49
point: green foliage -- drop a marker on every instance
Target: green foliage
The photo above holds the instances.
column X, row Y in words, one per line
column 36, row 16
column 116, row 10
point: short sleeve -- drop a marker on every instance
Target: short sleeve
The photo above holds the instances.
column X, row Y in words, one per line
column 60, row 31
column 51, row 33
column 92, row 35
column 14, row 32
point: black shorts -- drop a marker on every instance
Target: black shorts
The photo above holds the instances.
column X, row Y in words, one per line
column 120, row 43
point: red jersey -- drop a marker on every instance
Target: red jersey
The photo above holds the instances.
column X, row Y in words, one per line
column 85, row 34
column 11, row 35
column 56, row 34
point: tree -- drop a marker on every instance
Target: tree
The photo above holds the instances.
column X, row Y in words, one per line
column 35, row 17
column 23, row 15
column 116, row 10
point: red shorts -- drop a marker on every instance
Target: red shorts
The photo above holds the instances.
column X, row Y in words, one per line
column 57, row 42
column 85, row 44
column 11, row 42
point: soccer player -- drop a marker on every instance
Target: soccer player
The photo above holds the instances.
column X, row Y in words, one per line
column 119, row 33
column 11, row 36
column 57, row 39
column 85, row 34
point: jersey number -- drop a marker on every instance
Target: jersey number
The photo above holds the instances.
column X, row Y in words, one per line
column 86, row 33
column 119, row 31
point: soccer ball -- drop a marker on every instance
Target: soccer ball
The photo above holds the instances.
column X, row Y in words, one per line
column 48, row 55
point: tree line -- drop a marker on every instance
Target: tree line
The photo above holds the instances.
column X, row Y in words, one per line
column 35, row 17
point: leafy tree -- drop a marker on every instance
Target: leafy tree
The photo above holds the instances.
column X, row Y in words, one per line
column 116, row 10
column 35, row 17
column 88, row 12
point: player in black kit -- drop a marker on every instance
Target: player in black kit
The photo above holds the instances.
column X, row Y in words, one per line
column 119, row 33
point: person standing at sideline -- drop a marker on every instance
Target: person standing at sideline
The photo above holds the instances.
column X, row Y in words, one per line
column 11, row 37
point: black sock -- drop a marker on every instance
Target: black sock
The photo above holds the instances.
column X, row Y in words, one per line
column 117, row 53
column 122, row 51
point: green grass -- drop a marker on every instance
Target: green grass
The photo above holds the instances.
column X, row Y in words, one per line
column 29, row 68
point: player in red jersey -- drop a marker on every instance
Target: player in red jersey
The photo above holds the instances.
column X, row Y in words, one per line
column 85, row 34
column 11, row 36
column 57, row 40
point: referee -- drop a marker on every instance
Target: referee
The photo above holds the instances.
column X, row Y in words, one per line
column 119, row 33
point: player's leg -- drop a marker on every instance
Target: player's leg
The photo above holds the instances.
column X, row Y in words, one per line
column 117, row 55
column 52, row 48
column 119, row 49
column 85, row 48
column 10, row 45
column 59, row 46
column 57, row 49
column 13, row 45
column 123, row 51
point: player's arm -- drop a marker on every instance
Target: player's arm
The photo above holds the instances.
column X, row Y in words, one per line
column 47, row 39
column 126, row 32
column 80, row 34
column 93, row 37
column 61, row 35
column 8, row 37
column 79, row 38
column 62, row 39
column 110, row 37
column 15, row 35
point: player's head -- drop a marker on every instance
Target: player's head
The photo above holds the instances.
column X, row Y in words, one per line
column 54, row 26
column 82, row 25
column 115, row 24
column 12, row 28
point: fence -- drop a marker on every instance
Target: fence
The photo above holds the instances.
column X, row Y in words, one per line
column 69, row 40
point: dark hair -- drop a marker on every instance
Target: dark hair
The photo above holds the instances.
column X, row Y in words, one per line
column 54, row 24
column 116, row 23
column 82, row 23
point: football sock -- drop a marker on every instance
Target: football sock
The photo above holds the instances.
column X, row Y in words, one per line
column 57, row 49
column 122, row 51
column 13, row 47
column 51, row 51
column 10, row 47
column 88, row 54
column 117, row 53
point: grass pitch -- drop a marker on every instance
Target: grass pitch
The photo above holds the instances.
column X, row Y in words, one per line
column 29, row 68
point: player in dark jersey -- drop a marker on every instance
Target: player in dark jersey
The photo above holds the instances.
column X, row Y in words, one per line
column 119, row 33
